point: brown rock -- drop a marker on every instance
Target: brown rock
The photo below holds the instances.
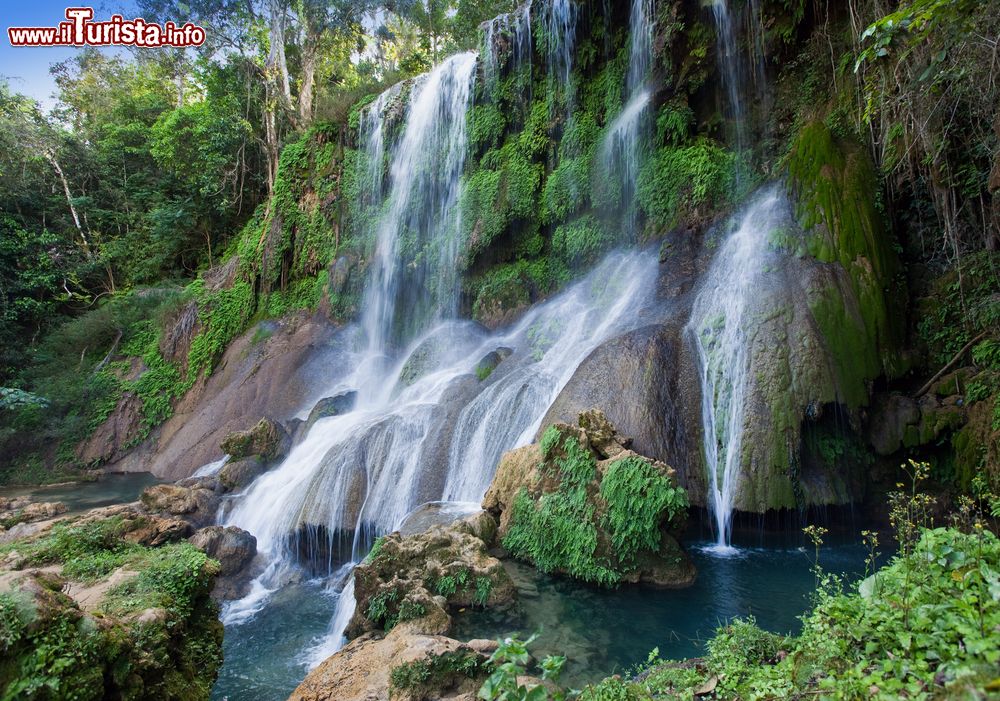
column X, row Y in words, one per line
column 231, row 546
column 362, row 670
column 267, row 439
column 237, row 474
column 196, row 504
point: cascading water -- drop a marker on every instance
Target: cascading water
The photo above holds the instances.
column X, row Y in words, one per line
column 424, row 189
column 719, row 326
column 314, row 493
column 731, row 71
column 423, row 426
column 622, row 148
column 513, row 27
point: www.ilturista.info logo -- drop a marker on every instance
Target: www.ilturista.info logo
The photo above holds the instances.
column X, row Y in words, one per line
column 79, row 30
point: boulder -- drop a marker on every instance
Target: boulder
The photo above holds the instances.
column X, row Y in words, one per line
column 580, row 503
column 415, row 580
column 267, row 439
column 332, row 406
column 233, row 547
column 365, row 670
column 195, row 504
column 237, row 474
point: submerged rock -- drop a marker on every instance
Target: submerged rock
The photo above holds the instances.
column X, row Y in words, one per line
column 581, row 503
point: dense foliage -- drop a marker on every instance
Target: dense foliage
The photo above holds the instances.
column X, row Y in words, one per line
column 170, row 647
column 562, row 530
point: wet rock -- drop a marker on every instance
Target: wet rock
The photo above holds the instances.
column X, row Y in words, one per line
column 362, row 670
column 267, row 439
column 233, row 547
column 112, row 439
column 488, row 363
column 891, row 415
column 237, row 474
column 332, row 406
column 415, row 580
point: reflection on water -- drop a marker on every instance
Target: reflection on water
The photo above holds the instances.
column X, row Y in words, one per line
column 80, row 496
column 602, row 632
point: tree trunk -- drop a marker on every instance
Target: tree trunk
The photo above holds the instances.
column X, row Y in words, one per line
column 69, row 200
column 308, row 81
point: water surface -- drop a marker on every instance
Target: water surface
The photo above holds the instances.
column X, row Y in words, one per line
column 107, row 490
column 602, row 632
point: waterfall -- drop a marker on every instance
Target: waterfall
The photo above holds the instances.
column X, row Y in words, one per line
column 719, row 326
column 731, row 71
column 513, row 27
column 622, row 146
column 559, row 20
column 424, row 189
column 424, row 426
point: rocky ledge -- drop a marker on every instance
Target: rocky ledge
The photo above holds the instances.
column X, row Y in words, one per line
column 111, row 604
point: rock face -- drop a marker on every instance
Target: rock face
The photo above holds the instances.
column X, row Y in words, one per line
column 413, row 581
column 367, row 667
column 581, row 503
column 123, row 613
column 255, row 377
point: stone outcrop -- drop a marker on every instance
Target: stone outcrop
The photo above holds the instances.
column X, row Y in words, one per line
column 581, row 503
column 195, row 504
column 102, row 594
column 365, row 668
column 266, row 439
column 414, row 581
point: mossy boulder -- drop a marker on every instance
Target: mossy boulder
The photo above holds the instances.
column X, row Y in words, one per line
column 88, row 610
column 416, row 580
column 580, row 503
column 267, row 438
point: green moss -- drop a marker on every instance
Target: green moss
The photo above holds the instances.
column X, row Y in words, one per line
column 834, row 186
column 437, row 673
column 684, row 184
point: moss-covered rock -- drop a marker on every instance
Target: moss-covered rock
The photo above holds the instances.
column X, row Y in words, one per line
column 580, row 503
column 416, row 580
column 267, row 439
column 89, row 611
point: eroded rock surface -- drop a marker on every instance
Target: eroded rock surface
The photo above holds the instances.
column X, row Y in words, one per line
column 414, row 581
